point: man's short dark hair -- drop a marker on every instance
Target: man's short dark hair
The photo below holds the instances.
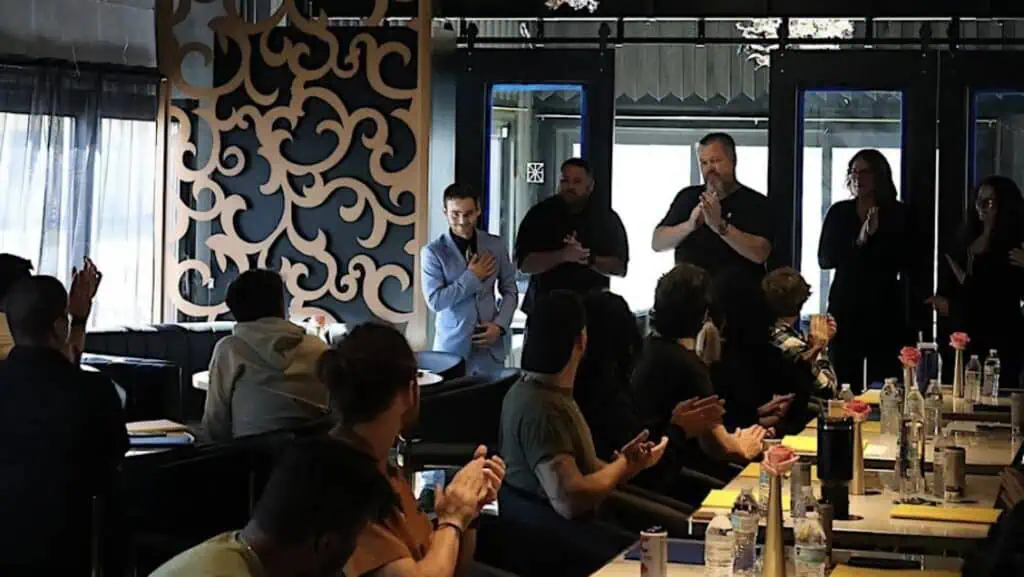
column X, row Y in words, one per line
column 554, row 324
column 578, row 163
column 365, row 370
column 33, row 305
column 458, row 191
column 13, row 268
column 321, row 485
column 256, row 294
column 681, row 301
column 725, row 139
column 785, row 292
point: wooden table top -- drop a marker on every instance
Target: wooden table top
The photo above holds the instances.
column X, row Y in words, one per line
column 981, row 491
column 988, row 451
column 959, row 409
column 622, row 567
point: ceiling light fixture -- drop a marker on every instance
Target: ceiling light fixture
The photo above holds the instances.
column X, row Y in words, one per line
column 590, row 5
column 768, row 28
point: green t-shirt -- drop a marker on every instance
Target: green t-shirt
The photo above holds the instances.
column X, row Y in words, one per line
column 538, row 422
column 222, row 556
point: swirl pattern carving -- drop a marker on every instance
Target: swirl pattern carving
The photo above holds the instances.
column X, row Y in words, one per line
column 299, row 155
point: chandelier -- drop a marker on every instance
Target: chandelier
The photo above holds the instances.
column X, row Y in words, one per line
column 765, row 28
column 590, row 5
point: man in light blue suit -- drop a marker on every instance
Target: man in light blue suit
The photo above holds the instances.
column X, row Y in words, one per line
column 460, row 271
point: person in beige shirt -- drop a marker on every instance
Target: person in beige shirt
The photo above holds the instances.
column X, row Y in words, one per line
column 263, row 375
column 317, row 502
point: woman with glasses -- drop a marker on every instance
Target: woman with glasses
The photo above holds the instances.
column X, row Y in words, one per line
column 865, row 240
column 985, row 301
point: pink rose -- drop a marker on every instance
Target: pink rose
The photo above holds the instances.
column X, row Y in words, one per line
column 857, row 410
column 779, row 459
column 959, row 341
column 910, row 357
column 321, row 321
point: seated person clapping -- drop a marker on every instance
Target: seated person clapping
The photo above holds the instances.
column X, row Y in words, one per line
column 785, row 293
column 262, row 376
column 669, row 372
column 602, row 390
column 371, row 374
column 544, row 437
column 317, row 502
column 65, row 437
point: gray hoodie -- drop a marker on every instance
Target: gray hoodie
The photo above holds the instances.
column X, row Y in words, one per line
column 262, row 379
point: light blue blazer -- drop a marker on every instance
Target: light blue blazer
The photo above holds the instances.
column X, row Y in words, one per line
column 461, row 301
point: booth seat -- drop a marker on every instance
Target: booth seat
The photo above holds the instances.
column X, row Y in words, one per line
column 188, row 346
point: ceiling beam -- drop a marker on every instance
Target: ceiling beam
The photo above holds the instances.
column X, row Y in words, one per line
column 530, row 9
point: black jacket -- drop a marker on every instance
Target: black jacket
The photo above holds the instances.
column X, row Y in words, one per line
column 64, row 437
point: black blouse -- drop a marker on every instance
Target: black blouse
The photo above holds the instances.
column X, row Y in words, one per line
column 867, row 277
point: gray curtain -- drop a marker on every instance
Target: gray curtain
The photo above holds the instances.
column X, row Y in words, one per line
column 77, row 178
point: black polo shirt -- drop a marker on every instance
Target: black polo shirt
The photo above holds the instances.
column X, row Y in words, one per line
column 544, row 229
column 744, row 209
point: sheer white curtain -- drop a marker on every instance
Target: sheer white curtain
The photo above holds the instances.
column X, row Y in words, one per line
column 77, row 179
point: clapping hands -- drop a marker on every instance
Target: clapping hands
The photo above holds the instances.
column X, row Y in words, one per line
column 473, row 487
column 641, row 454
column 573, row 251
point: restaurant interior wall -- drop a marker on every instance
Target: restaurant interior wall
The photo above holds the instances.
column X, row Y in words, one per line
column 311, row 165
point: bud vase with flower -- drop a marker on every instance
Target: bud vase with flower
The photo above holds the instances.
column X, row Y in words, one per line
column 959, row 342
column 778, row 461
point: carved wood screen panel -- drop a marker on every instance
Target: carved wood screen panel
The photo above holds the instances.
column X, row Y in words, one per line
column 299, row 152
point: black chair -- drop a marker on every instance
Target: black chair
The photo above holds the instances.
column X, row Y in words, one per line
column 152, row 386
column 177, row 502
column 476, row 400
column 448, row 365
column 187, row 345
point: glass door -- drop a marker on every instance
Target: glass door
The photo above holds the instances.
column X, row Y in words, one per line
column 519, row 115
column 981, row 135
column 826, row 106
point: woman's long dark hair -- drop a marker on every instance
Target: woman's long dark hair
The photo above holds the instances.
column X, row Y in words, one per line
column 885, row 186
column 613, row 341
column 1009, row 227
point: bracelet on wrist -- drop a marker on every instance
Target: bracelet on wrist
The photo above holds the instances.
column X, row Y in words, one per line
column 79, row 322
column 458, row 528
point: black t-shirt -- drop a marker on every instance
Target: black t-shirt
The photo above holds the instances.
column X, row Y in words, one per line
column 467, row 247
column 665, row 375
column 544, row 229
column 744, row 209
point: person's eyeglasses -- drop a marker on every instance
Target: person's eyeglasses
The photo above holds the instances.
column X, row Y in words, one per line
column 858, row 173
column 985, row 202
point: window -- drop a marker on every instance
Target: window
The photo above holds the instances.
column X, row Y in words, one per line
column 79, row 175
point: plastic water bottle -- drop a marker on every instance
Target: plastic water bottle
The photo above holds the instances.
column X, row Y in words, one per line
column 719, row 542
column 914, row 405
column 991, row 373
column 933, row 410
column 891, row 408
column 846, row 393
column 809, row 552
column 972, row 380
column 746, row 516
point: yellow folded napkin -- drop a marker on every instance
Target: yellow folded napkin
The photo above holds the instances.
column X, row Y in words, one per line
column 979, row 515
column 847, row 571
column 158, row 426
column 872, row 397
column 804, row 444
column 725, row 498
